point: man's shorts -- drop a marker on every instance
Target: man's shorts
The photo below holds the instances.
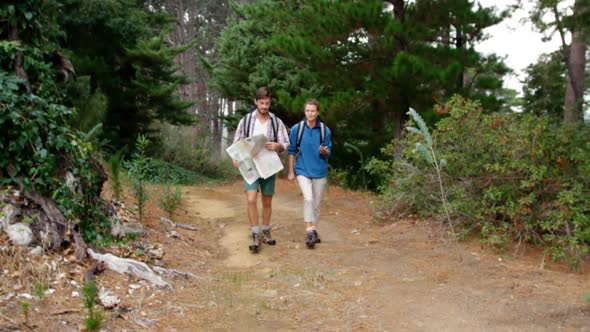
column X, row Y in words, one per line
column 267, row 186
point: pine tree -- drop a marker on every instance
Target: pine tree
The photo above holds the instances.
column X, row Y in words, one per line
column 121, row 46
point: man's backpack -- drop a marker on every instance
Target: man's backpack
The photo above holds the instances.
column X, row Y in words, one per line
column 300, row 133
column 248, row 121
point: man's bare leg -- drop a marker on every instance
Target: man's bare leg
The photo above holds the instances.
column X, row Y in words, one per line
column 251, row 198
column 266, row 213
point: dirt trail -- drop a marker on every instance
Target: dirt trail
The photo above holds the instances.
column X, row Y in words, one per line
column 362, row 277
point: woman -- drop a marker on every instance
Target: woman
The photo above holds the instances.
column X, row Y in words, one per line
column 309, row 149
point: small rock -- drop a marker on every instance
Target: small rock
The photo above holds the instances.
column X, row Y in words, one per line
column 108, row 300
column 146, row 323
column 173, row 234
column 20, row 234
column 75, row 294
column 37, row 251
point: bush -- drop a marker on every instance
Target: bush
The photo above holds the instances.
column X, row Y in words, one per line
column 511, row 176
column 38, row 146
column 186, row 147
column 163, row 172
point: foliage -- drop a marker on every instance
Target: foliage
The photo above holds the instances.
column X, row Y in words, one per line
column 38, row 145
column 186, row 147
column 170, row 200
column 570, row 20
column 163, row 172
column 40, row 288
column 24, row 305
column 365, row 63
column 91, row 104
column 137, row 169
column 428, row 153
column 544, row 87
column 121, row 46
column 510, row 176
column 90, row 298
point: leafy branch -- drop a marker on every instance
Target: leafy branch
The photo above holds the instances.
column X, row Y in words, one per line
column 428, row 153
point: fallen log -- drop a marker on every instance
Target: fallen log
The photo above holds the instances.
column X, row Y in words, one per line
column 126, row 265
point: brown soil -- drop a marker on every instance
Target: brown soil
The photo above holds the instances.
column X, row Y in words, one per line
column 364, row 276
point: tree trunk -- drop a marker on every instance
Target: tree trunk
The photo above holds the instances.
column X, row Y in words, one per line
column 576, row 64
column 575, row 61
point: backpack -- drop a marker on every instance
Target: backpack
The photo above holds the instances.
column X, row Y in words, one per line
column 248, row 121
column 300, row 133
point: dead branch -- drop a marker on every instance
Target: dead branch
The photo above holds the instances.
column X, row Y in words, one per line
column 174, row 225
column 64, row 311
column 175, row 272
column 126, row 265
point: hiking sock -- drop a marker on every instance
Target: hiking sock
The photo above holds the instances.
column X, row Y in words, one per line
column 255, row 229
column 265, row 227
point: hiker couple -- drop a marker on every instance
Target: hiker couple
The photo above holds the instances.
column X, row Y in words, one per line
column 308, row 146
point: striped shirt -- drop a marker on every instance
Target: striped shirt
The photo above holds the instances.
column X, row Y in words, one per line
column 282, row 135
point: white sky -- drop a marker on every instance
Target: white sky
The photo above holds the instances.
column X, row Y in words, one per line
column 516, row 40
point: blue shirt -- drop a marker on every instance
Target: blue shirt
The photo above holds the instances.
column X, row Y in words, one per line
column 309, row 162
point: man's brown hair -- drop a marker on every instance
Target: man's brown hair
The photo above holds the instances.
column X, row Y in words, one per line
column 263, row 92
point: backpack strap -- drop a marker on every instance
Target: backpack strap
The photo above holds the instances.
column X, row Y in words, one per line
column 247, row 122
column 274, row 124
column 300, row 133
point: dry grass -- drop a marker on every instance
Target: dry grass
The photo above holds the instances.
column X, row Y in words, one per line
column 23, row 273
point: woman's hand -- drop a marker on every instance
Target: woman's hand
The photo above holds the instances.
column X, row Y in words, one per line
column 291, row 176
column 324, row 150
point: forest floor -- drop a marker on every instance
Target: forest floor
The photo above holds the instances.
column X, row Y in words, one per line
column 363, row 276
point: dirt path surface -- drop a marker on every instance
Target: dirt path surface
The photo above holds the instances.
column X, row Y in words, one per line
column 364, row 276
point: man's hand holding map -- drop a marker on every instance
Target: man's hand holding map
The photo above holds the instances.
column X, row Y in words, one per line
column 255, row 161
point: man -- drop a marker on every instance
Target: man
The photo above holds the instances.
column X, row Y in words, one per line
column 262, row 121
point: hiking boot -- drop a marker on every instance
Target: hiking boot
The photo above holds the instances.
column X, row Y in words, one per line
column 267, row 238
column 310, row 240
column 317, row 237
column 255, row 243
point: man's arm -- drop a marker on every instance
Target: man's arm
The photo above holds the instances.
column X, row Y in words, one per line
column 239, row 131
column 282, row 137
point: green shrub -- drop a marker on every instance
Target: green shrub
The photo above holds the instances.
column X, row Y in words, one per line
column 186, row 147
column 138, row 168
column 163, row 172
column 510, row 176
column 90, row 297
column 37, row 144
column 170, row 200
